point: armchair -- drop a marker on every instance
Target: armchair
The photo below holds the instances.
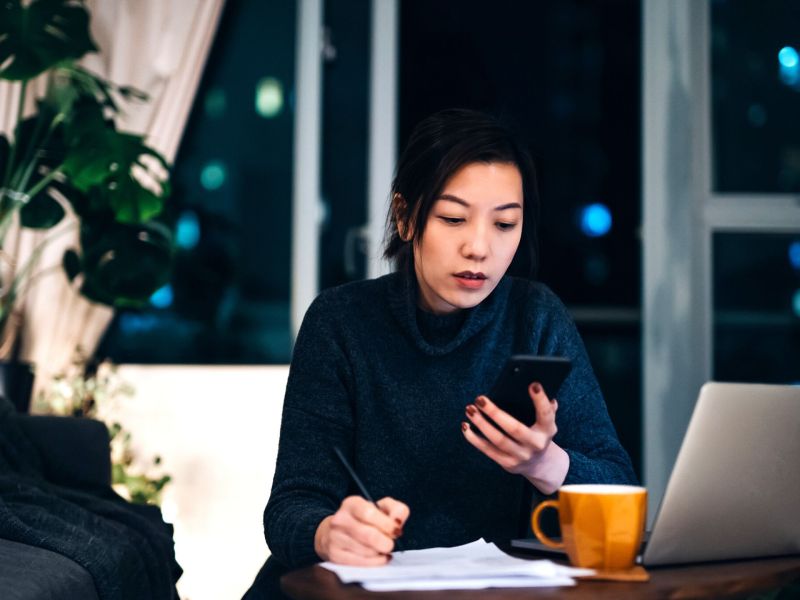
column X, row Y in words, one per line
column 75, row 454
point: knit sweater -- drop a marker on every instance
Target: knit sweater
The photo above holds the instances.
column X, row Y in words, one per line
column 388, row 384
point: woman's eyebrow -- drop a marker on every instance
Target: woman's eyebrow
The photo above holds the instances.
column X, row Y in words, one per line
column 509, row 205
column 464, row 203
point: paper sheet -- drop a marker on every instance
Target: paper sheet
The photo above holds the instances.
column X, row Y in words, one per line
column 467, row 584
column 476, row 565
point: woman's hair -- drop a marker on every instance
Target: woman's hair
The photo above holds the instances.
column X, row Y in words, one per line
column 439, row 146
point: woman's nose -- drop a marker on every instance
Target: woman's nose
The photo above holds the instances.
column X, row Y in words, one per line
column 476, row 243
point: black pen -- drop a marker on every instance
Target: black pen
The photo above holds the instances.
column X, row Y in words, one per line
column 361, row 487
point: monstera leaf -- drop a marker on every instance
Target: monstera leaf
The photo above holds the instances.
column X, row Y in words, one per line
column 131, row 176
column 37, row 35
column 122, row 264
column 41, row 211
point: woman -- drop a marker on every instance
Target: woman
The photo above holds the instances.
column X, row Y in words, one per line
column 392, row 370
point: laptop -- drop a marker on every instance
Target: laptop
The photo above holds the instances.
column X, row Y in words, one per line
column 734, row 491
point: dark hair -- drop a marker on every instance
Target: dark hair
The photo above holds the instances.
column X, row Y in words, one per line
column 439, row 146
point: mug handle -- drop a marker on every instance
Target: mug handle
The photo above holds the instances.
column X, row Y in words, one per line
column 540, row 535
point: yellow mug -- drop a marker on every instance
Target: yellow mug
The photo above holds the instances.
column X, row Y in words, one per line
column 601, row 525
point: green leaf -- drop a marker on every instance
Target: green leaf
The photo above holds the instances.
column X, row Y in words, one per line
column 124, row 264
column 132, row 200
column 41, row 212
column 89, row 140
column 39, row 151
column 36, row 36
column 130, row 178
column 32, row 131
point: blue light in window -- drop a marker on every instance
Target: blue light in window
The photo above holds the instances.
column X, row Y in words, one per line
column 788, row 57
column 187, row 230
column 162, row 298
column 133, row 323
column 794, row 255
column 789, row 67
column 595, row 220
column 213, row 175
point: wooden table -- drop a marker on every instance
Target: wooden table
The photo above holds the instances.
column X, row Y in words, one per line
column 712, row 580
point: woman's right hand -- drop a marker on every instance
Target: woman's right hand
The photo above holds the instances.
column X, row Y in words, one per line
column 359, row 533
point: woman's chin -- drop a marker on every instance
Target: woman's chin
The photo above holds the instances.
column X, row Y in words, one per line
column 462, row 300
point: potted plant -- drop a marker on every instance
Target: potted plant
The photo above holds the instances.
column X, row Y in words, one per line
column 95, row 392
column 70, row 157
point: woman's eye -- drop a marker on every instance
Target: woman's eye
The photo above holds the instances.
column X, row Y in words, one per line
column 452, row 220
column 506, row 226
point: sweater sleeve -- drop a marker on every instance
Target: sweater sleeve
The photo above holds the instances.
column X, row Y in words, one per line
column 585, row 430
column 309, row 484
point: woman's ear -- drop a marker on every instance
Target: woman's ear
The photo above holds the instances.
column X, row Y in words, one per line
column 402, row 219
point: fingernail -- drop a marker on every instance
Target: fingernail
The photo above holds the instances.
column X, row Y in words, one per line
column 464, row 426
column 388, row 557
column 471, row 410
column 537, row 388
column 398, row 532
column 398, row 521
column 480, row 401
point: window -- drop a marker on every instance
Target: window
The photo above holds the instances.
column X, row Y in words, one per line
column 228, row 301
column 755, row 86
column 567, row 74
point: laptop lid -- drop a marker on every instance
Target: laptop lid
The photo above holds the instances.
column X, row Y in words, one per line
column 734, row 491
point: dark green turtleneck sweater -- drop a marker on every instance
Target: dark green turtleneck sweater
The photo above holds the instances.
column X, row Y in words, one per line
column 388, row 384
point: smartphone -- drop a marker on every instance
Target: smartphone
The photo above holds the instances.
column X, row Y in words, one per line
column 510, row 392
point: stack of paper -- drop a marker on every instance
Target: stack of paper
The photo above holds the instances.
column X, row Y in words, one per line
column 477, row 565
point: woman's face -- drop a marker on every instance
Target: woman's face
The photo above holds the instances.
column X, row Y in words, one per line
column 470, row 237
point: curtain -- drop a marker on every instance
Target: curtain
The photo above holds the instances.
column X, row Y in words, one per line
column 159, row 47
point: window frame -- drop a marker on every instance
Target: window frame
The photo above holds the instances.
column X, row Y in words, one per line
column 681, row 213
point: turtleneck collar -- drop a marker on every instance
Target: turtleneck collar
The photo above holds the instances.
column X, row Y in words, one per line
column 433, row 334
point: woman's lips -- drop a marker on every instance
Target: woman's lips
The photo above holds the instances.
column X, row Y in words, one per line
column 470, row 281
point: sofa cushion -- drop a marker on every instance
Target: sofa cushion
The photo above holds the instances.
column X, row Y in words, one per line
column 30, row 573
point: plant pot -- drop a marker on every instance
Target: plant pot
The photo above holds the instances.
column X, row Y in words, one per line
column 16, row 383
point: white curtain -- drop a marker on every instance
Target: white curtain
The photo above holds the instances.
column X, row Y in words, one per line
column 159, row 47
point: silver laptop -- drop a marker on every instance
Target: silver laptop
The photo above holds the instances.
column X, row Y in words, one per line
column 734, row 491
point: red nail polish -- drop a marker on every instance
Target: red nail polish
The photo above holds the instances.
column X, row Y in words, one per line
column 471, row 410
column 480, row 401
column 398, row 521
column 537, row 388
column 464, row 426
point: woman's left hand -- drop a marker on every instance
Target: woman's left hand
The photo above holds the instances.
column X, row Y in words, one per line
column 528, row 451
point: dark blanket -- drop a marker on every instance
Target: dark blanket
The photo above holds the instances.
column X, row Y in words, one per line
column 127, row 548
